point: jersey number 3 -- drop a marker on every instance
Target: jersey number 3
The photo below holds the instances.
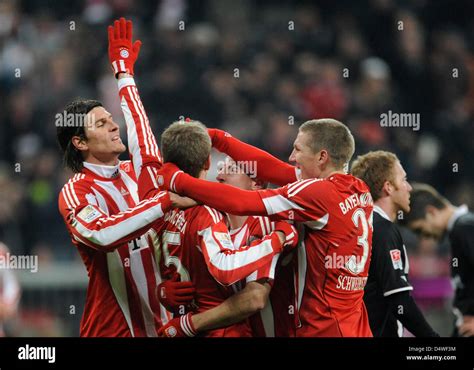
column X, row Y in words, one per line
column 356, row 264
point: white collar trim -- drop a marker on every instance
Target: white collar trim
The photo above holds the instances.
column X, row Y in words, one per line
column 103, row 170
column 381, row 212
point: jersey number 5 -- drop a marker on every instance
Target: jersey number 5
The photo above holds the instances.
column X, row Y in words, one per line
column 173, row 238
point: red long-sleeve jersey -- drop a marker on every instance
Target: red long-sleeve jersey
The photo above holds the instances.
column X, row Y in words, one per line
column 108, row 226
column 269, row 168
column 337, row 216
column 278, row 317
column 142, row 145
column 111, row 229
column 196, row 244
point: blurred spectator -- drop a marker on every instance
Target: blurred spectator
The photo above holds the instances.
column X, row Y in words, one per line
column 10, row 291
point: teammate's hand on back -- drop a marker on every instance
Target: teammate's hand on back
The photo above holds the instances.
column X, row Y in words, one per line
column 181, row 202
column 289, row 232
column 123, row 53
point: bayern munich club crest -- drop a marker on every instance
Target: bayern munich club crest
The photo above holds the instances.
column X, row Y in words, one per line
column 160, row 180
column 171, row 331
column 124, row 53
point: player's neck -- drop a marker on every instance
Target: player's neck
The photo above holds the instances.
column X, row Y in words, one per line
column 388, row 207
column 331, row 171
column 108, row 162
column 236, row 222
column 202, row 175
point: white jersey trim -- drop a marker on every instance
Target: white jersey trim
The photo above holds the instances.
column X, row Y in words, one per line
column 279, row 203
column 393, row 291
column 118, row 284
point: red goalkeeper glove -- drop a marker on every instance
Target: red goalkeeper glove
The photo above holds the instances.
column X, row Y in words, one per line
column 122, row 53
column 291, row 235
column 179, row 327
column 173, row 293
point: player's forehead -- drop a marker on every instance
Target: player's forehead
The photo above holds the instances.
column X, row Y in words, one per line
column 97, row 113
column 399, row 170
column 301, row 139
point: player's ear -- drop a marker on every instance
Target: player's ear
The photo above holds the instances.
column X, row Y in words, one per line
column 80, row 143
column 387, row 187
column 207, row 165
column 256, row 185
column 430, row 211
column 323, row 157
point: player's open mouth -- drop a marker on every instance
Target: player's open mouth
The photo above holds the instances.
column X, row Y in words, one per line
column 115, row 138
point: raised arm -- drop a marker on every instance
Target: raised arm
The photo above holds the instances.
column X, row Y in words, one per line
column 269, row 168
column 142, row 145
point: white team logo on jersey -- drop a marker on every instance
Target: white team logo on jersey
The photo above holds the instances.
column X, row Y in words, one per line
column 171, row 331
column 224, row 239
column 88, row 214
column 396, row 256
column 160, row 180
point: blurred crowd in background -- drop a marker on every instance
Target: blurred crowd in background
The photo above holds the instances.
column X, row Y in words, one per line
column 255, row 68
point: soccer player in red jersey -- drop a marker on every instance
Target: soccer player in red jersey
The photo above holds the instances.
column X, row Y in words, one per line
column 275, row 281
column 335, row 212
column 107, row 222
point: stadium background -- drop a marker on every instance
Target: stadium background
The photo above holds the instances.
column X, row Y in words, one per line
column 255, row 68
